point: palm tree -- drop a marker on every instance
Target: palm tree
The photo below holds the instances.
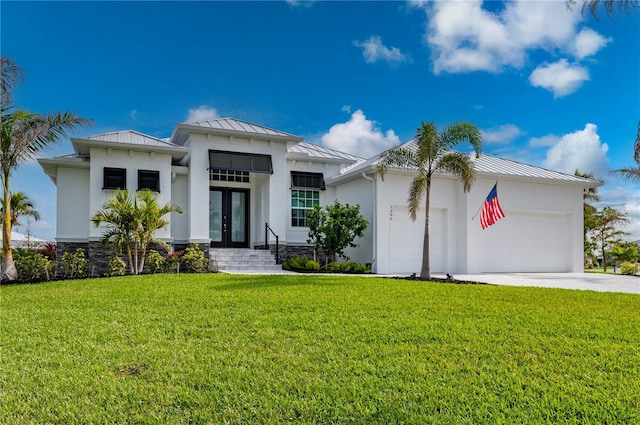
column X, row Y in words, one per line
column 131, row 223
column 21, row 206
column 23, row 135
column 433, row 154
column 610, row 6
column 632, row 174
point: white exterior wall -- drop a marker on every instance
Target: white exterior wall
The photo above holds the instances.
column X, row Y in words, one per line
column 72, row 218
column 180, row 197
column 132, row 161
column 542, row 230
column 362, row 192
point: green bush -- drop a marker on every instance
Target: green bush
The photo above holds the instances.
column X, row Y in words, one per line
column 194, row 260
column 156, row 262
column 75, row 266
column 361, row 268
column 348, row 267
column 301, row 264
column 628, row 268
column 32, row 266
column 116, row 267
column 172, row 262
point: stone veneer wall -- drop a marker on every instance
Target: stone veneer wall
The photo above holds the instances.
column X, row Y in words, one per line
column 98, row 257
column 287, row 251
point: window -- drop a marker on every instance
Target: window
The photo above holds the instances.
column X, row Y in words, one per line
column 228, row 176
column 301, row 202
column 148, row 179
column 238, row 161
column 114, row 178
column 300, row 180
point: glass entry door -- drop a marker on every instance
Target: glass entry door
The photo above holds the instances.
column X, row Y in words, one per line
column 229, row 217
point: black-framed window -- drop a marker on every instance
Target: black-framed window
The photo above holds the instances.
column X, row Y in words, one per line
column 229, row 176
column 301, row 202
column 240, row 161
column 303, row 180
column 149, row 179
column 114, row 178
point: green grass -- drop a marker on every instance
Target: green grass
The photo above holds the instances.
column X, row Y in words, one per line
column 315, row 349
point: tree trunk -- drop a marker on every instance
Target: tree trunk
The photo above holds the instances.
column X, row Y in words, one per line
column 9, row 271
column 425, row 272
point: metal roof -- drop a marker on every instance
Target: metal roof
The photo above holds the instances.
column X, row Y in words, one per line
column 130, row 137
column 316, row 151
column 232, row 124
column 487, row 165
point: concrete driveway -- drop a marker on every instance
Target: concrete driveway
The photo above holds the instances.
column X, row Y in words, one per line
column 584, row 281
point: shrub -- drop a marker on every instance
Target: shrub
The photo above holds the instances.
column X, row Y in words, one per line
column 156, row 262
column 361, row 268
column 339, row 267
column 75, row 265
column 32, row 266
column 172, row 262
column 301, row 264
column 49, row 250
column 116, row 267
column 628, row 268
column 194, row 260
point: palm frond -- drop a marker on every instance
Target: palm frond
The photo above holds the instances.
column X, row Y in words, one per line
column 460, row 132
column 416, row 193
column 631, row 174
column 459, row 165
column 396, row 158
column 636, row 148
column 428, row 145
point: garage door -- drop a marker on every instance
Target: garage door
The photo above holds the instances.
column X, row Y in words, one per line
column 527, row 242
column 406, row 238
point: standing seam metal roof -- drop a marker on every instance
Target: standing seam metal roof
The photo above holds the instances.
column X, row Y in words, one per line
column 317, row 151
column 130, row 137
column 232, row 124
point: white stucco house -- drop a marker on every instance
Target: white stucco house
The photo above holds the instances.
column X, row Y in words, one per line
column 231, row 177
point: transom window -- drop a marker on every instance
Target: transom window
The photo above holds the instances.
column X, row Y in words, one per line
column 149, row 179
column 114, row 178
column 229, row 176
column 301, row 202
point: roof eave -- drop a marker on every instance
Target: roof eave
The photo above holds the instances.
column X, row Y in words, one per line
column 82, row 146
column 50, row 165
column 182, row 131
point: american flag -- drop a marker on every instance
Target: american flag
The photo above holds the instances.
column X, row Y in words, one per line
column 491, row 211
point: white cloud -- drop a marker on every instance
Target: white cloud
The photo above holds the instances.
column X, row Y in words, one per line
column 202, row 113
column 374, row 50
column 133, row 114
column 359, row 136
column 626, row 201
column 300, row 3
column 548, row 140
column 346, row 108
column 588, row 42
column 581, row 150
column 465, row 37
column 503, row 134
column 560, row 77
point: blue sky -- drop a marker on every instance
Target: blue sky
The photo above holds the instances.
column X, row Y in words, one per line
column 547, row 86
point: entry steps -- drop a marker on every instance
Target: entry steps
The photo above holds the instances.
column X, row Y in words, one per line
column 238, row 259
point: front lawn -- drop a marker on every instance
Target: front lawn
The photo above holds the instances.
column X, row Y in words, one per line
column 315, row 349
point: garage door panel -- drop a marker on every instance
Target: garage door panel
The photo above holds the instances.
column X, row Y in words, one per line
column 406, row 238
column 527, row 242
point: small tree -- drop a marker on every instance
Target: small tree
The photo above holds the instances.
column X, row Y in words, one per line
column 606, row 230
column 334, row 228
column 131, row 224
column 626, row 251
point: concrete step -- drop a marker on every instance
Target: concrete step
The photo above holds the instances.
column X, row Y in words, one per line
column 243, row 259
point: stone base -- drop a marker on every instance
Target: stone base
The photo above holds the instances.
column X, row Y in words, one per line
column 287, row 251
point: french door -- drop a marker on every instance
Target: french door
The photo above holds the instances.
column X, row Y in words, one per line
column 229, row 217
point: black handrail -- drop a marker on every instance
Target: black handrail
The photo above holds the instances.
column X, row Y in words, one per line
column 268, row 229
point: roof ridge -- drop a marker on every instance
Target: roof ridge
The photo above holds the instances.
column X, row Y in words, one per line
column 317, row 147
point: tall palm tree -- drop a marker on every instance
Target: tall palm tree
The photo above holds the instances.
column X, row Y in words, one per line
column 21, row 206
column 433, row 154
column 130, row 224
column 610, row 6
column 632, row 174
column 23, row 135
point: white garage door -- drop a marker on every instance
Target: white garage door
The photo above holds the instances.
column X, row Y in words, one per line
column 406, row 238
column 527, row 242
